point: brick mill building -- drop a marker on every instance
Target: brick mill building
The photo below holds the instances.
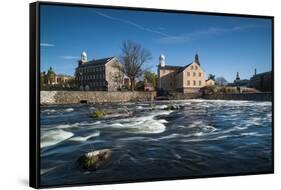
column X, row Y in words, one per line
column 187, row 79
column 98, row 74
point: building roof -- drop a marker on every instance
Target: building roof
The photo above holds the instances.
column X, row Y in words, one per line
column 178, row 68
column 264, row 73
column 171, row 67
column 96, row 62
column 183, row 68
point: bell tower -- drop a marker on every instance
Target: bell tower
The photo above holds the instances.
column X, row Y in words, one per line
column 162, row 60
column 83, row 57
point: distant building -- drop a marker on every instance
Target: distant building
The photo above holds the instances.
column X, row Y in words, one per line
column 64, row 79
column 187, row 79
column 98, row 74
column 262, row 81
column 239, row 82
column 51, row 78
column 210, row 82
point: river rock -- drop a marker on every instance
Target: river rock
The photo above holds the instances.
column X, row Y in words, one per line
column 112, row 113
column 94, row 160
column 173, row 107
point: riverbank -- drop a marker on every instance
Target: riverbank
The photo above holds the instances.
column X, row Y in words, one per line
column 76, row 97
column 262, row 96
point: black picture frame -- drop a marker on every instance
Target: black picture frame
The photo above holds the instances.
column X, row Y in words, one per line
column 34, row 90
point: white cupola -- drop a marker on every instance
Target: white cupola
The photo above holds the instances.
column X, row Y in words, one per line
column 84, row 56
column 162, row 60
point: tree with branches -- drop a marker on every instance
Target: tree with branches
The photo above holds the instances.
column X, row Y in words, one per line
column 132, row 58
column 221, row 81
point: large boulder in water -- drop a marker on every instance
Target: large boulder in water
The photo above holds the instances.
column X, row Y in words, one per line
column 93, row 160
column 173, row 107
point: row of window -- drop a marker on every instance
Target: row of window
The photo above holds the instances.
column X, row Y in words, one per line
column 91, row 77
column 97, row 84
column 194, row 83
column 91, row 69
column 192, row 67
column 194, row 74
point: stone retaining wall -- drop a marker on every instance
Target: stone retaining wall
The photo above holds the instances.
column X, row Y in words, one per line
column 73, row 97
column 264, row 96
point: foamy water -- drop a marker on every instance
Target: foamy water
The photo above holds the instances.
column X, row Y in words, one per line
column 204, row 137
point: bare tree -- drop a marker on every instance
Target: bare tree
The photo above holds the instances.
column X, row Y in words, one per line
column 132, row 59
column 221, row 81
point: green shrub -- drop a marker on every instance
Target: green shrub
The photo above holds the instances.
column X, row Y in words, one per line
column 99, row 113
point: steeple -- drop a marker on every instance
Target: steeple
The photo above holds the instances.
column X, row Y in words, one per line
column 237, row 76
column 196, row 59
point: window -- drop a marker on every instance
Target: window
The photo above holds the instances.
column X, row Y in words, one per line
column 192, row 67
column 200, row 74
column 196, row 67
column 194, row 74
column 188, row 83
column 194, row 83
column 199, row 82
column 188, row 74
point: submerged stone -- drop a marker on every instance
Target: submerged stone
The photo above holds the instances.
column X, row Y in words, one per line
column 173, row 107
column 111, row 113
column 94, row 160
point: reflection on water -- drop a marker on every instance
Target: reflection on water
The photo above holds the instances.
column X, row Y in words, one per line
column 204, row 137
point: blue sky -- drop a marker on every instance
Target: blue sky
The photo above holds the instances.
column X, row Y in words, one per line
column 225, row 44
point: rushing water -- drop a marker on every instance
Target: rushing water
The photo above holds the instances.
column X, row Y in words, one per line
column 205, row 137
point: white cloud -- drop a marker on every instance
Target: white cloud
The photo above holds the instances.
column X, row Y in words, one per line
column 134, row 24
column 47, row 45
column 202, row 34
column 181, row 38
column 69, row 57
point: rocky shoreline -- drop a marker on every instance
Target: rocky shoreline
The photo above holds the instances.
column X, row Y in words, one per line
column 63, row 97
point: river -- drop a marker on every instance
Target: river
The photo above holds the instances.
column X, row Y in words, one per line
column 203, row 138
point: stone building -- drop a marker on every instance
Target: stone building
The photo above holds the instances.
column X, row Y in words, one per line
column 210, row 82
column 187, row 79
column 52, row 79
column 99, row 74
column 262, row 81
